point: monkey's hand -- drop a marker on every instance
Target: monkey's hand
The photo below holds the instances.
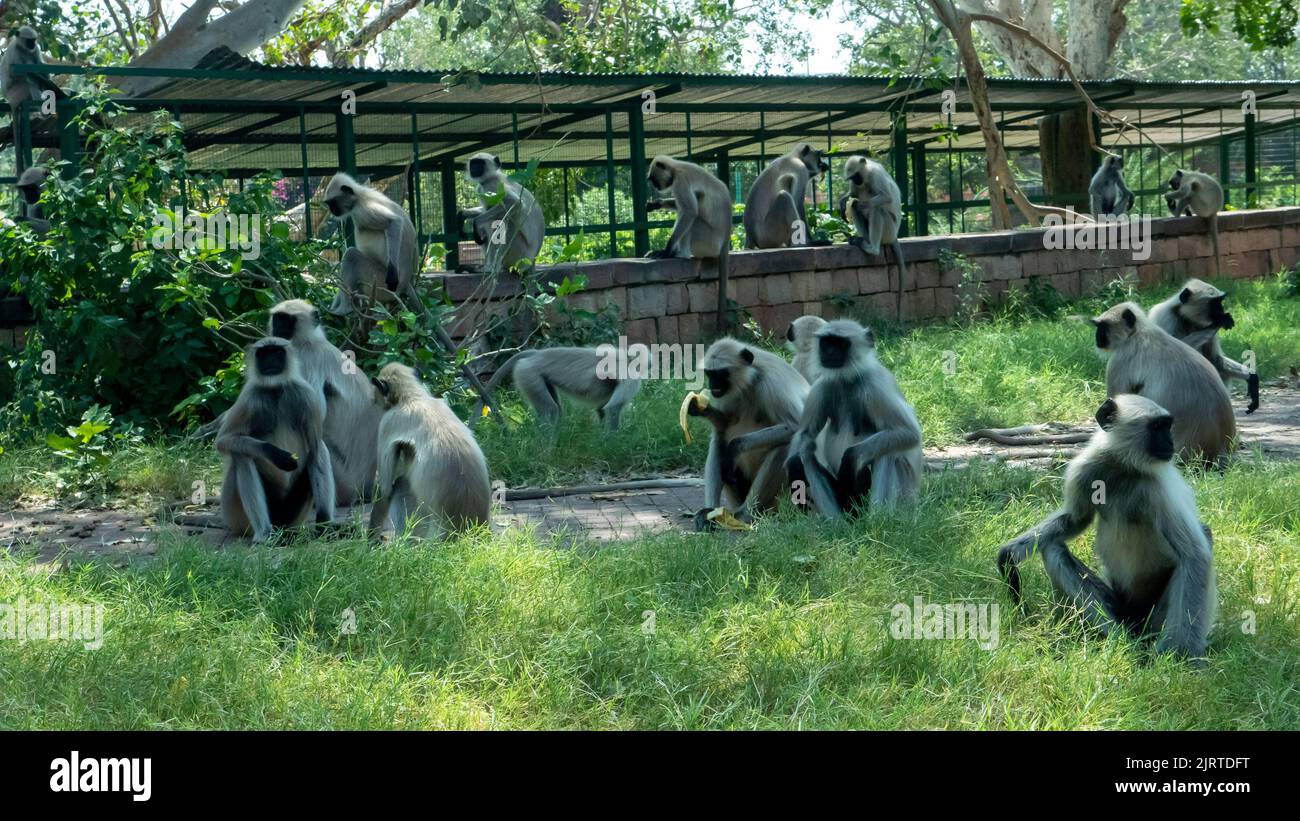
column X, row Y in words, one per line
column 702, row 522
column 1252, row 389
column 655, row 205
column 390, row 277
column 663, row 254
column 281, row 458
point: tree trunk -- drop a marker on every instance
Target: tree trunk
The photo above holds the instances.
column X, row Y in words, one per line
column 1067, row 158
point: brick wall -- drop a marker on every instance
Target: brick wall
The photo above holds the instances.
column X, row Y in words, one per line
column 672, row 300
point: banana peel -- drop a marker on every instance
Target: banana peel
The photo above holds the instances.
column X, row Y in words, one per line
column 723, row 518
column 701, row 401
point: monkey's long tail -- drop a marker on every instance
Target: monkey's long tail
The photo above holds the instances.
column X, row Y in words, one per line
column 504, row 372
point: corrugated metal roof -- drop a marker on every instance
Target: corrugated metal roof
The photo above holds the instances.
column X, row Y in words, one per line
column 243, row 115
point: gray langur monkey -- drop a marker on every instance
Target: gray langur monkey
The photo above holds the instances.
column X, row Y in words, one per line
column 1195, row 314
column 775, row 200
column 1156, row 555
column 874, row 206
column 351, row 416
column 703, row 226
column 755, row 401
column 430, row 466
column 509, row 224
column 858, row 435
column 1107, row 193
column 23, row 49
column 276, row 462
column 801, row 337
column 29, row 198
column 381, row 266
column 1193, row 193
column 1144, row 360
column 542, row 374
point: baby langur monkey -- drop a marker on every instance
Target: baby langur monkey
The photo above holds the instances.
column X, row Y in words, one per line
column 29, row 190
column 1107, row 193
column 381, row 266
column 510, row 229
column 775, row 201
column 858, row 434
column 1157, row 568
column 276, row 460
column 430, row 467
column 1147, row 361
column 575, row 372
column 703, row 226
column 1195, row 314
column 801, row 337
column 755, row 400
column 1193, row 193
column 351, row 416
column 874, row 206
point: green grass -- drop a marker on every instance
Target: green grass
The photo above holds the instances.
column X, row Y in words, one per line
column 785, row 627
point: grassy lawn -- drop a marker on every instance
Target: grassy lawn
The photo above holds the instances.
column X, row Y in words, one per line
column 786, row 627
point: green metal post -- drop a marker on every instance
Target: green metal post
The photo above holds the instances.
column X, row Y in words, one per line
column 347, row 144
column 1225, row 169
column 640, row 187
column 417, row 206
column 900, row 166
column 609, row 182
column 450, row 224
column 69, row 139
column 921, row 191
column 306, row 177
column 1252, row 162
column 22, row 137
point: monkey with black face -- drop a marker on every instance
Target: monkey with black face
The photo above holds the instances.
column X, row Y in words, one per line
column 1193, row 193
column 775, row 201
column 703, row 226
column 23, row 49
column 1155, row 553
column 858, row 434
column 755, row 401
column 351, row 416
column 29, row 187
column 542, row 374
column 1147, row 361
column 431, row 470
column 874, row 205
column 1195, row 314
column 277, row 465
column 381, row 266
column 509, row 223
column 801, row 337
column 1107, row 193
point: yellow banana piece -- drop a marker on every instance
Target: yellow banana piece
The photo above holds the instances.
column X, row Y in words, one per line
column 701, row 401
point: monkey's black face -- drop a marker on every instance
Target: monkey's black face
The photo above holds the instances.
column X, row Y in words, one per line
column 719, row 381
column 1218, row 316
column 272, row 360
column 1103, row 335
column 833, row 351
column 30, row 193
column 28, row 43
column 660, row 176
column 342, row 202
column 283, row 325
column 1176, row 181
column 789, row 333
column 477, row 167
column 1160, row 438
column 858, row 178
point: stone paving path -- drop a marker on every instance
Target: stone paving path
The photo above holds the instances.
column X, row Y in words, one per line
column 607, row 516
